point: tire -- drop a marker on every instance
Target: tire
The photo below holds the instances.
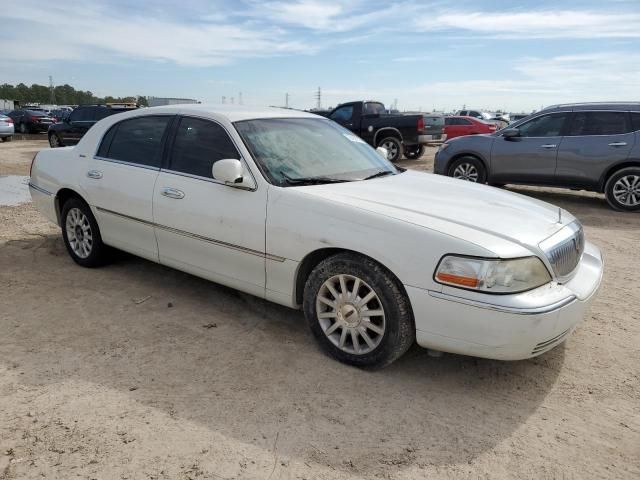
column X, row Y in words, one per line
column 414, row 152
column 54, row 141
column 469, row 168
column 390, row 330
column 77, row 220
column 23, row 128
column 622, row 190
column 393, row 146
column 7, row 139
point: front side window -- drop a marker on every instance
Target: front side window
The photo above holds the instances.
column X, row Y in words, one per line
column 598, row 123
column 138, row 140
column 343, row 114
column 287, row 149
column 374, row 108
column 544, row 126
column 198, row 145
column 635, row 121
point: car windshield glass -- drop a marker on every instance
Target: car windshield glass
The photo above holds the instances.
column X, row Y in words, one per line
column 288, row 148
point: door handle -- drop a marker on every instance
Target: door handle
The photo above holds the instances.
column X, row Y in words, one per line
column 618, row 144
column 549, row 145
column 172, row 193
column 95, row 174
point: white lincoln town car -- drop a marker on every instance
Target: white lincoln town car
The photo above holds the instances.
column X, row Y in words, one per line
column 291, row 207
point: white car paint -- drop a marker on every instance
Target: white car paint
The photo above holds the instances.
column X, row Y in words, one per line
column 255, row 236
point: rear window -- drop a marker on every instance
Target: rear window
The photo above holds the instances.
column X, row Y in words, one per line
column 433, row 121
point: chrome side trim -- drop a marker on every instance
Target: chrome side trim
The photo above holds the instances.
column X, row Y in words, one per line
column 503, row 308
column 130, row 164
column 195, row 236
column 39, row 189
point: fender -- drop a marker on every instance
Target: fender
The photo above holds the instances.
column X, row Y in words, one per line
column 395, row 130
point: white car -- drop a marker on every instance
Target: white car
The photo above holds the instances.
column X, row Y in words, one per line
column 291, row 207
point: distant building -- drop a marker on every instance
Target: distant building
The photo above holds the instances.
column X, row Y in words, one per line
column 7, row 104
column 159, row 101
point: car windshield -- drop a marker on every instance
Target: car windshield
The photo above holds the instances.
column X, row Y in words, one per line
column 287, row 149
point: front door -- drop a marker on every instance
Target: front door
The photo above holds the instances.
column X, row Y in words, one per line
column 119, row 182
column 531, row 156
column 205, row 227
column 594, row 141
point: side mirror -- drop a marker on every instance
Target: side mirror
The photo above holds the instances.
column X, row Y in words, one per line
column 228, row 170
column 383, row 152
column 510, row 133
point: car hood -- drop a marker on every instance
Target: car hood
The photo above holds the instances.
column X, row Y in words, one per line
column 451, row 206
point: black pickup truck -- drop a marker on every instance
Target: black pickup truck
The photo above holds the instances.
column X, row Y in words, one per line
column 397, row 133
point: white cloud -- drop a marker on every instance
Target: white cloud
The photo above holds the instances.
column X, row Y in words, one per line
column 98, row 34
column 537, row 24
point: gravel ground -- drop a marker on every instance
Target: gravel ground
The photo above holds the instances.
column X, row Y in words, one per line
column 137, row 371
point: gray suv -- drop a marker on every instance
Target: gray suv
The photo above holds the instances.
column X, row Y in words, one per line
column 589, row 146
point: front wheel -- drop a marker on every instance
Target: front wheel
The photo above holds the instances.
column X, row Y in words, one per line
column 358, row 312
column 622, row 190
column 394, row 148
column 414, row 152
column 81, row 234
column 468, row 168
column 54, row 140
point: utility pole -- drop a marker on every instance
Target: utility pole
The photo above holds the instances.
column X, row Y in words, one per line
column 52, row 92
column 232, row 100
column 224, row 99
column 240, row 98
column 286, row 100
column 319, row 98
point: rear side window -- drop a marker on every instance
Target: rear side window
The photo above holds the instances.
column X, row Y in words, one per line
column 635, row 121
column 544, row 126
column 343, row 114
column 198, row 145
column 464, row 121
column 598, row 123
column 138, row 141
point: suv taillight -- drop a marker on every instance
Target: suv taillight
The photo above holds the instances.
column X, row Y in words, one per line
column 420, row 124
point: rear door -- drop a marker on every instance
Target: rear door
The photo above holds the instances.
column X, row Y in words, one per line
column 530, row 157
column 594, row 141
column 120, row 179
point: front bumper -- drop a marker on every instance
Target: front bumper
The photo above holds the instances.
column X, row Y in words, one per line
column 506, row 327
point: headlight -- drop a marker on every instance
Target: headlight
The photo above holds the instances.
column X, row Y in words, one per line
column 492, row 275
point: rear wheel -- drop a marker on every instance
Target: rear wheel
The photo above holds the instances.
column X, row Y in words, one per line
column 413, row 152
column 357, row 311
column 468, row 168
column 394, row 148
column 622, row 190
column 81, row 234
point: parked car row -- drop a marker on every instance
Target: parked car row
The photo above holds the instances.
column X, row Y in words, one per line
column 590, row 146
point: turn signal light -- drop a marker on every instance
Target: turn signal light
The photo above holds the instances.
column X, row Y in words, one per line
column 470, row 282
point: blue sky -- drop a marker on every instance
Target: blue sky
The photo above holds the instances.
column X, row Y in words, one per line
column 516, row 55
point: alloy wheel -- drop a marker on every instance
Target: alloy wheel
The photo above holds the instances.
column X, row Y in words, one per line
column 626, row 190
column 350, row 314
column 466, row 171
column 79, row 233
column 392, row 149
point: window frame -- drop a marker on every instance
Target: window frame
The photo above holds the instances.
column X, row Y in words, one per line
column 163, row 142
column 627, row 120
column 170, row 141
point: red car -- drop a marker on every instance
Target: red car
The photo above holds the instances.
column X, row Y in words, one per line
column 460, row 126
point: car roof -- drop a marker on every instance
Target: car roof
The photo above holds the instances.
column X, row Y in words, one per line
column 233, row 113
column 595, row 106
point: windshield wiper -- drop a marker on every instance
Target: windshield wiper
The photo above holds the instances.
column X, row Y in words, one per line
column 381, row 173
column 311, row 180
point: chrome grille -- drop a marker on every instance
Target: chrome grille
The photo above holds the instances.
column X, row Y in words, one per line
column 564, row 249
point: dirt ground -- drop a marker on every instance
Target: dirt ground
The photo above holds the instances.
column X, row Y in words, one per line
column 136, row 371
